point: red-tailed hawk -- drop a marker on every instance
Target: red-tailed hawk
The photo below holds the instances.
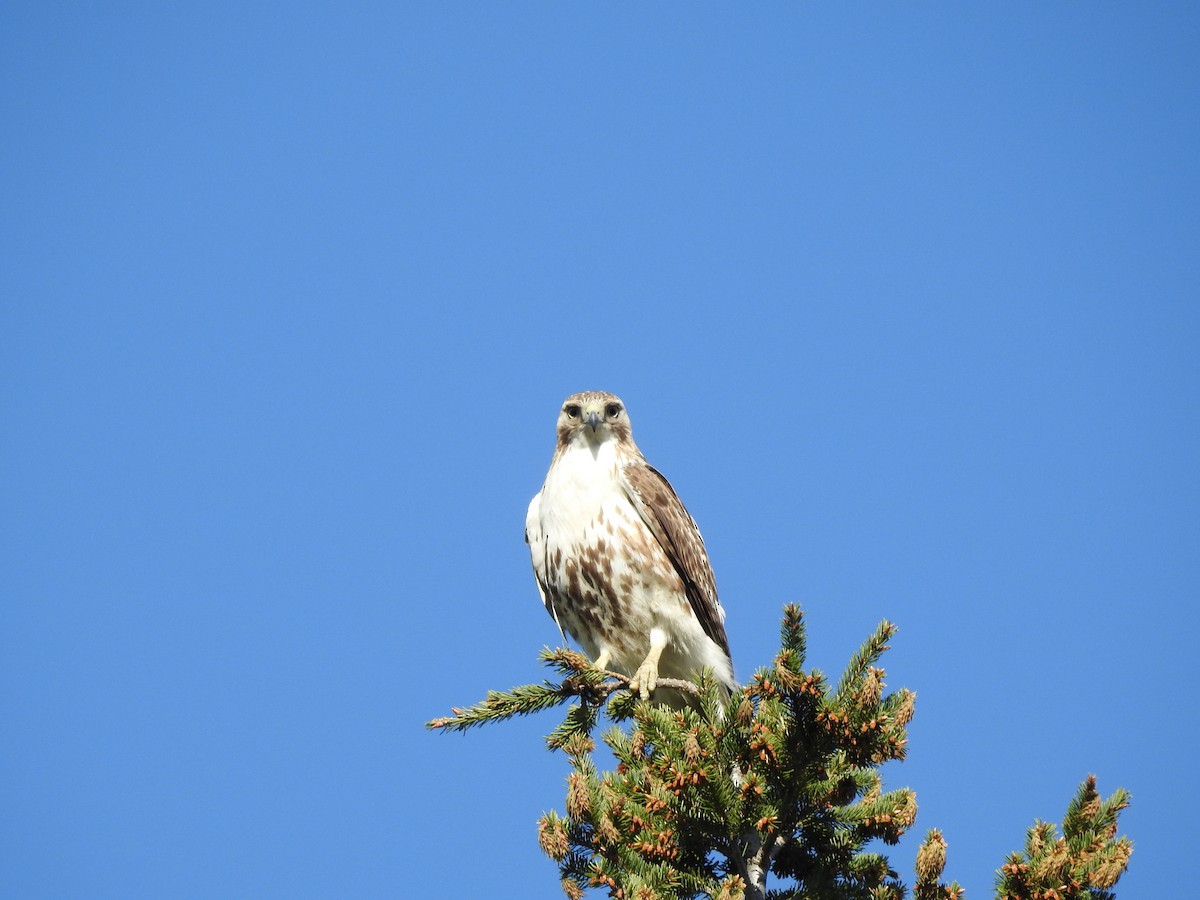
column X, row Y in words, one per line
column 619, row 562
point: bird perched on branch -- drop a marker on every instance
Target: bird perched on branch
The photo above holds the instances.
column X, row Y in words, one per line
column 619, row 562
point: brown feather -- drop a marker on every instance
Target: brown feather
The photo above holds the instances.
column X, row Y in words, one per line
column 676, row 531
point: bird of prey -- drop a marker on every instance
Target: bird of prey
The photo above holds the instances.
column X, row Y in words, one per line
column 619, row 562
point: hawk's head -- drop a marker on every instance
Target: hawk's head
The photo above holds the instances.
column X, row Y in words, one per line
column 594, row 417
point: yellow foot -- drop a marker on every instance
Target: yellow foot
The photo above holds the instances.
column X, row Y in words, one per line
column 645, row 679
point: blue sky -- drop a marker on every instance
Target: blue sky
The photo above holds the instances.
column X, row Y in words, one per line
column 902, row 298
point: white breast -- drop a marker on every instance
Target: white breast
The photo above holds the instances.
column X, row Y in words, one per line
column 581, row 487
column 609, row 581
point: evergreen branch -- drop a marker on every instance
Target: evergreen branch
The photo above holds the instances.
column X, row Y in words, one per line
column 862, row 661
column 499, row 705
column 576, row 727
column 1083, row 864
column 779, row 779
column 792, row 633
column 931, row 859
column 581, row 680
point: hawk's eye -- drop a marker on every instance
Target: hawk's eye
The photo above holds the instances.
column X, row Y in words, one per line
column 612, row 410
column 572, row 411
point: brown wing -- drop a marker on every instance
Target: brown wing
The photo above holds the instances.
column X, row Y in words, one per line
column 676, row 531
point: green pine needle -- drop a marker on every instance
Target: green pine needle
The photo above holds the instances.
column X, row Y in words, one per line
column 782, row 777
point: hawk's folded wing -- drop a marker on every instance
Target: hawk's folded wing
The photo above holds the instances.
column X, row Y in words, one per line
column 676, row 532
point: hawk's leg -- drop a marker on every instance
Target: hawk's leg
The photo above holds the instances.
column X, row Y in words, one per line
column 645, row 679
column 601, row 662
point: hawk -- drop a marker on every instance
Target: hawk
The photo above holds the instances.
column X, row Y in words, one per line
column 619, row 562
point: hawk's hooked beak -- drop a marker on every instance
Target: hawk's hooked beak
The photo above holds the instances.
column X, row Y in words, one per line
column 593, row 420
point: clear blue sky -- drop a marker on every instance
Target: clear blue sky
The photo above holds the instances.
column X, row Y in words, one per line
column 904, row 299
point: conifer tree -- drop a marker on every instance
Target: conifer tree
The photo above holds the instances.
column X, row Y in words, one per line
column 781, row 778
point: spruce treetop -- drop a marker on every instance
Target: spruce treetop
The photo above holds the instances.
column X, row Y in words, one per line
column 773, row 791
